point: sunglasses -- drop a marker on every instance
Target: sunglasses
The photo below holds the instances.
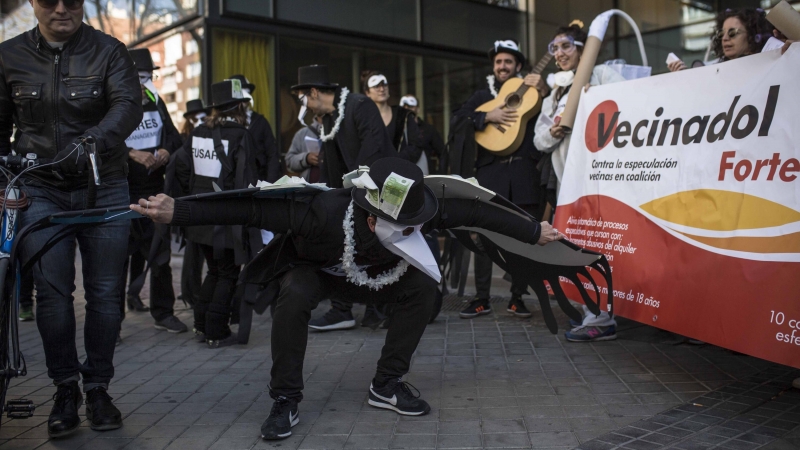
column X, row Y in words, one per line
column 69, row 4
column 731, row 32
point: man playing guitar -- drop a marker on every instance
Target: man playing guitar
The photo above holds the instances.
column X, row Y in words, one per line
column 515, row 176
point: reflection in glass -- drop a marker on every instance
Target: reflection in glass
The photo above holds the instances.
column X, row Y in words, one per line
column 178, row 79
column 129, row 20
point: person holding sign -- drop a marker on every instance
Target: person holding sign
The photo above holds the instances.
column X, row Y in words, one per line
column 550, row 137
column 566, row 47
column 149, row 150
column 737, row 33
column 219, row 154
column 384, row 260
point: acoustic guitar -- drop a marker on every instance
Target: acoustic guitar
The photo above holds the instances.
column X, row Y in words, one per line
column 514, row 95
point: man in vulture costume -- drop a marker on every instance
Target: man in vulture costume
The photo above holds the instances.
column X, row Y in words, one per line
column 366, row 241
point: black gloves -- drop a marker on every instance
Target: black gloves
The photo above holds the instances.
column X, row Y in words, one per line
column 74, row 159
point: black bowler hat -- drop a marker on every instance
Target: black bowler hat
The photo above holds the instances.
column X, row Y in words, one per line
column 313, row 76
column 142, row 59
column 246, row 84
column 226, row 93
column 420, row 204
column 509, row 46
column 194, row 107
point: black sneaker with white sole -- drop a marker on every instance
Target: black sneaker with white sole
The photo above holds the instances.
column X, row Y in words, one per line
column 334, row 319
column 397, row 396
column 283, row 416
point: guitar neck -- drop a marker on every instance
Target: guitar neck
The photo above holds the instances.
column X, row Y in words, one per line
column 542, row 64
column 537, row 69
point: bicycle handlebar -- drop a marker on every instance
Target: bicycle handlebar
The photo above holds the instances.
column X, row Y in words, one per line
column 21, row 162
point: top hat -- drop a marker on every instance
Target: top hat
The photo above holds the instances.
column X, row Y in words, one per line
column 142, row 59
column 227, row 93
column 194, row 107
column 420, row 204
column 509, row 46
column 246, row 84
column 313, row 76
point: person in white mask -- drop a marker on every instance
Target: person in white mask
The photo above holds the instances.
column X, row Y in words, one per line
column 267, row 156
column 149, row 150
column 365, row 242
column 196, row 111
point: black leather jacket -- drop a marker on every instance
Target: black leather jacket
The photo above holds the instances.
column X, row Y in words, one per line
column 89, row 87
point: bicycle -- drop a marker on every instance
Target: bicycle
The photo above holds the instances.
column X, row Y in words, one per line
column 13, row 200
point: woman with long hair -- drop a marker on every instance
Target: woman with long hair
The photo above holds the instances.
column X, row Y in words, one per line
column 219, row 151
column 401, row 124
column 737, row 33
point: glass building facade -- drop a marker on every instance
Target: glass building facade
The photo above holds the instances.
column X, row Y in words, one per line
column 434, row 49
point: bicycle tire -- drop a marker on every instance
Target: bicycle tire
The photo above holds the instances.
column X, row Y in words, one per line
column 5, row 317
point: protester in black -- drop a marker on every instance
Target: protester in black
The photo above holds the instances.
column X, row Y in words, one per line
column 312, row 261
column 352, row 132
column 401, row 126
column 266, row 155
column 192, row 268
column 60, row 83
column 515, row 176
column 430, row 141
column 149, row 150
column 220, row 151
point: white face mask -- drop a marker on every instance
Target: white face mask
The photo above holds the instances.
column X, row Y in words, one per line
column 146, row 80
column 303, row 109
column 411, row 247
column 246, row 94
column 197, row 119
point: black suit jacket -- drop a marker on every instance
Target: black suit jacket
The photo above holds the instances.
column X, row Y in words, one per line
column 362, row 138
column 516, row 180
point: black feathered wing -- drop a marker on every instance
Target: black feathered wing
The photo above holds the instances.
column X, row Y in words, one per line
column 537, row 265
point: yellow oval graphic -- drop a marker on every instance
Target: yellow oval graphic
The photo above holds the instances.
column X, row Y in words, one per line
column 716, row 210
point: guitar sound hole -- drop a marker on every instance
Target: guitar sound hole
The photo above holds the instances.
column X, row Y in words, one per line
column 513, row 101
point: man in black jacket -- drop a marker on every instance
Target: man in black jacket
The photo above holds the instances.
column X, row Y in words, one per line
column 352, row 132
column 60, row 83
column 267, row 160
column 149, row 150
column 384, row 260
column 514, row 177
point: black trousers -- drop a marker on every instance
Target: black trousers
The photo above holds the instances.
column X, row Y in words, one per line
column 192, row 272
column 162, row 295
column 301, row 290
column 483, row 268
column 212, row 312
column 26, row 289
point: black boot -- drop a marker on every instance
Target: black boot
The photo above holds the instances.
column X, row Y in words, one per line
column 135, row 304
column 64, row 419
column 102, row 414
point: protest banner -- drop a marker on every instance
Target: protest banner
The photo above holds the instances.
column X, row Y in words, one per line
column 688, row 183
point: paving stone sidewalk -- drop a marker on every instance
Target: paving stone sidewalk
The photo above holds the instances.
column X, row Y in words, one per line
column 493, row 382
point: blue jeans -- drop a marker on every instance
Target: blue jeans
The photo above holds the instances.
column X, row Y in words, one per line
column 103, row 251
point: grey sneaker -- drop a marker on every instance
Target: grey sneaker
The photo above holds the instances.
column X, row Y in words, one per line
column 171, row 324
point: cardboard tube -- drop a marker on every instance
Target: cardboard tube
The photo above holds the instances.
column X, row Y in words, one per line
column 582, row 77
column 786, row 20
